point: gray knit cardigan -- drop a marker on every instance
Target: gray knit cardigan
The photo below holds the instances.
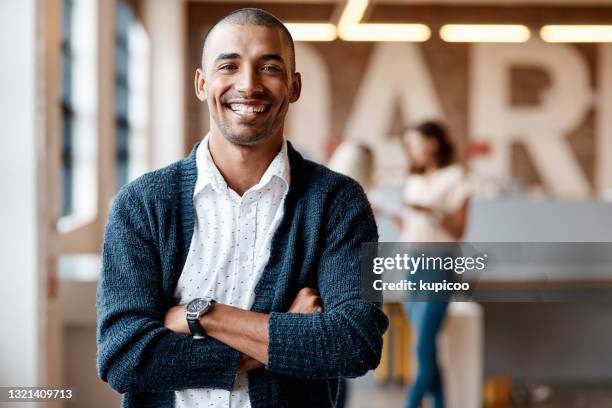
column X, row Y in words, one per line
column 317, row 244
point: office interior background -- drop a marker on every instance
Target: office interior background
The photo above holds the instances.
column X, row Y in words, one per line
column 97, row 92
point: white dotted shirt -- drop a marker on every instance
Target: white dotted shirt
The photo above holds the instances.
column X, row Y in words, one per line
column 229, row 249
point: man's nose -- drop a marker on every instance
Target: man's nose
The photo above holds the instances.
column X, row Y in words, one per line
column 249, row 81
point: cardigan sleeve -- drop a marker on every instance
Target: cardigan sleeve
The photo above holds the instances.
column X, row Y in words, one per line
column 136, row 352
column 346, row 339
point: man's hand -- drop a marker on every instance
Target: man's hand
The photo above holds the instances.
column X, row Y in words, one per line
column 176, row 321
column 247, row 363
column 306, row 301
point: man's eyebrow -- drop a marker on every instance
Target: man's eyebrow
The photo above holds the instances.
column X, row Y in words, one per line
column 272, row 57
column 232, row 55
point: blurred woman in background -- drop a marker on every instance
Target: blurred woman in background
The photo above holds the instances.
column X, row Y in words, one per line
column 436, row 197
column 436, row 190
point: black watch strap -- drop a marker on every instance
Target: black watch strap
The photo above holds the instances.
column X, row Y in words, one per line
column 195, row 327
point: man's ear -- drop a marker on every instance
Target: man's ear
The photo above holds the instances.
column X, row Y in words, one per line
column 296, row 87
column 200, row 90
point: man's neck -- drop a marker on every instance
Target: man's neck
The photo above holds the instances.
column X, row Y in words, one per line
column 242, row 166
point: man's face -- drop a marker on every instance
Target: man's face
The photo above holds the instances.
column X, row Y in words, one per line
column 247, row 82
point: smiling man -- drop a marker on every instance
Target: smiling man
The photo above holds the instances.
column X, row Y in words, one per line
column 232, row 278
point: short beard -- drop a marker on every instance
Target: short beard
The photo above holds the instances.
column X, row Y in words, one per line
column 254, row 140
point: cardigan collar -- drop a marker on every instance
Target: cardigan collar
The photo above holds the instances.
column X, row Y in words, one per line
column 189, row 171
column 209, row 174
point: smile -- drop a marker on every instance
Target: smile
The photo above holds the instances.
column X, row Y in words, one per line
column 242, row 108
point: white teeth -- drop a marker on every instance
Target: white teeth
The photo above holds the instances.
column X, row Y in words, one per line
column 241, row 108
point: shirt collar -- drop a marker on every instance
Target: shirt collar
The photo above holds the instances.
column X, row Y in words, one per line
column 208, row 173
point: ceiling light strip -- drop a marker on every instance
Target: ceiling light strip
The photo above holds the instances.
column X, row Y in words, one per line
column 385, row 32
column 353, row 12
column 350, row 28
column 312, row 31
column 576, row 33
column 485, row 33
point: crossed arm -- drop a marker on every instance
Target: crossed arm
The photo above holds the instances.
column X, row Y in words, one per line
column 137, row 352
column 243, row 330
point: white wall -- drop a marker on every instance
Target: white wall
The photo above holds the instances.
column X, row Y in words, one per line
column 20, row 297
column 165, row 21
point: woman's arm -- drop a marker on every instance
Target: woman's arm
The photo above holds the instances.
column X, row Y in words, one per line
column 454, row 223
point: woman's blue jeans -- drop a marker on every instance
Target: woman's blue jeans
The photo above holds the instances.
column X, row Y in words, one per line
column 426, row 318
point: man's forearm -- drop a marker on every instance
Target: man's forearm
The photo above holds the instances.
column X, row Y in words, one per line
column 243, row 330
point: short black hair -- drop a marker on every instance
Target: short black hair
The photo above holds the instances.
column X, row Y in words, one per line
column 255, row 17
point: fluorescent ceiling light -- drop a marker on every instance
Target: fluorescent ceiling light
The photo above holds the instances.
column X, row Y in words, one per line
column 312, row 31
column 385, row 32
column 482, row 33
column 350, row 28
column 576, row 33
column 353, row 12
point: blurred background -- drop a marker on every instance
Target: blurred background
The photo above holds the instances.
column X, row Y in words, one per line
column 97, row 92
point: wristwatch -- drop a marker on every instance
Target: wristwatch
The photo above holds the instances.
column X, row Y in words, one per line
column 194, row 310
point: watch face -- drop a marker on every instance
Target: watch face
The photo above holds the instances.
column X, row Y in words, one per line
column 196, row 305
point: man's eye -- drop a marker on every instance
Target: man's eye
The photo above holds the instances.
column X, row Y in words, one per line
column 227, row 67
column 270, row 68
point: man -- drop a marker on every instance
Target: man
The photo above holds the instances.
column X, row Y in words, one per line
column 262, row 246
